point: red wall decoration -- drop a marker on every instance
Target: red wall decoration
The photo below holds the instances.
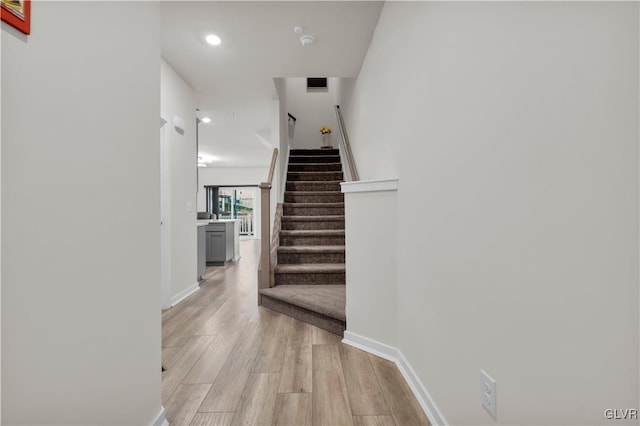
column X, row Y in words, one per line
column 17, row 13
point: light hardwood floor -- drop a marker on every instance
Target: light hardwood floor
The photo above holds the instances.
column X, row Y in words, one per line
column 230, row 362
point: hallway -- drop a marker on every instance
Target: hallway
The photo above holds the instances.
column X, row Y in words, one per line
column 230, row 362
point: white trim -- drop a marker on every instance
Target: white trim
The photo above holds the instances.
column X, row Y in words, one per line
column 369, row 345
column 160, row 420
column 165, row 217
column 184, row 294
column 393, row 354
column 370, row 185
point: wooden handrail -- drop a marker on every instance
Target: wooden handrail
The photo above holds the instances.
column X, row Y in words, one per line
column 272, row 168
column 353, row 171
column 264, row 268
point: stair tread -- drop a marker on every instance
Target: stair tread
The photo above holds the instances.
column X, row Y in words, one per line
column 311, row 232
column 312, row 192
column 311, row 249
column 315, row 182
column 321, row 172
column 294, row 218
column 319, row 151
column 294, row 156
column 329, row 300
column 313, row 204
column 312, row 164
column 303, row 268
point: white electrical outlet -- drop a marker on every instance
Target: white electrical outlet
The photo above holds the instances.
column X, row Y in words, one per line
column 488, row 393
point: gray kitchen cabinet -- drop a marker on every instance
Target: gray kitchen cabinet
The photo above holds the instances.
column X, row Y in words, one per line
column 220, row 243
column 216, row 250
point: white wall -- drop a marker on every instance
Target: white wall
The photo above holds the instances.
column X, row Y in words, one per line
column 376, row 130
column 276, row 180
column 312, row 111
column 80, row 198
column 371, row 239
column 283, row 134
column 177, row 99
column 513, row 128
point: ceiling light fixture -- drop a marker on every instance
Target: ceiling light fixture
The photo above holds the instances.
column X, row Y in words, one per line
column 307, row 40
column 213, row 39
column 207, row 159
column 206, row 120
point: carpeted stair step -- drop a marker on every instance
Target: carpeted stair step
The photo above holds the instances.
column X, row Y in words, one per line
column 315, row 167
column 319, row 305
column 313, row 197
column 314, row 159
column 314, row 176
column 314, row 186
column 324, row 237
column 310, row 254
column 310, row 274
column 312, row 222
column 321, row 151
column 313, row 209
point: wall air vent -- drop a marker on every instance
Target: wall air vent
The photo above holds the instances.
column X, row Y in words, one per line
column 317, row 84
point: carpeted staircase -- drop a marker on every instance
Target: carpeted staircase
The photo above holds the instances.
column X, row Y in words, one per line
column 310, row 269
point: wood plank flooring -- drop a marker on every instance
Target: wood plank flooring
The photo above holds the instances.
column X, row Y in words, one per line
column 230, row 362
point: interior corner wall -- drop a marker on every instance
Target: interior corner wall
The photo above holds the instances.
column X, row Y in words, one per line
column 365, row 100
column 80, row 196
column 312, row 111
column 276, row 181
column 178, row 99
column 284, row 144
column 514, row 129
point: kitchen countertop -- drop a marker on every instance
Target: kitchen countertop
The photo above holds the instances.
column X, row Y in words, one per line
column 204, row 222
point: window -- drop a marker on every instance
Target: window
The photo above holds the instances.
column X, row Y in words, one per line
column 233, row 203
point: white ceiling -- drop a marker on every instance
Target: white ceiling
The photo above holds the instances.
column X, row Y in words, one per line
column 233, row 82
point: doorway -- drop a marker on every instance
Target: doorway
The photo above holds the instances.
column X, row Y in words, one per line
column 236, row 202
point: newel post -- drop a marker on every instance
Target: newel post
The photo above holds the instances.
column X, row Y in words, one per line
column 265, row 238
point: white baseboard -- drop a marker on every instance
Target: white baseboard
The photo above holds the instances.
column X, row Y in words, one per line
column 160, row 420
column 393, row 354
column 184, row 294
column 372, row 346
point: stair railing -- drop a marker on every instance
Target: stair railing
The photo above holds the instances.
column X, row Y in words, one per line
column 264, row 268
column 346, row 146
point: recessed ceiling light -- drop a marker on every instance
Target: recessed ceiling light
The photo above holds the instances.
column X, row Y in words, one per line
column 206, row 120
column 213, row 39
